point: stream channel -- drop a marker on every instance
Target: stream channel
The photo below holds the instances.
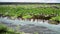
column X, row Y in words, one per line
column 31, row 26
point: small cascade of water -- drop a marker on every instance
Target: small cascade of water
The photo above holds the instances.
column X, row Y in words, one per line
column 46, row 21
column 39, row 21
column 35, row 20
column 31, row 20
column 5, row 17
column 24, row 20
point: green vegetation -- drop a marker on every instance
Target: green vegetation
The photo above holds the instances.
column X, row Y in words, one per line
column 5, row 30
column 35, row 32
column 56, row 18
column 30, row 11
column 22, row 11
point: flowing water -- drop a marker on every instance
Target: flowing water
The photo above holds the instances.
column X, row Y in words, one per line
column 31, row 26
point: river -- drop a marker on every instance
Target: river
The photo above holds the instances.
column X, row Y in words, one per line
column 31, row 26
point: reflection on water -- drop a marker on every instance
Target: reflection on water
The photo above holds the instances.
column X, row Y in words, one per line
column 25, row 22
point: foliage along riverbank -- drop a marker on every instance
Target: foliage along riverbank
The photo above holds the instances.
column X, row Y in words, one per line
column 45, row 12
column 6, row 30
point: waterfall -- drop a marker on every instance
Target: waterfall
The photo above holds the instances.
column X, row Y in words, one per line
column 31, row 20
